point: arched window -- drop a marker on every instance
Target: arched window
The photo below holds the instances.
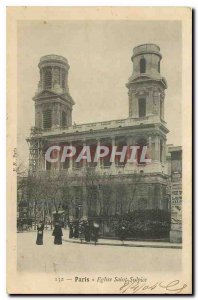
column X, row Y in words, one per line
column 142, row 107
column 48, row 78
column 142, row 65
column 47, row 119
column 64, row 119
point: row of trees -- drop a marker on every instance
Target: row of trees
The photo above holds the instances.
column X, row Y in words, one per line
column 44, row 194
column 48, row 192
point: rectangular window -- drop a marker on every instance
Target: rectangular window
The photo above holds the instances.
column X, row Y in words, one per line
column 142, row 107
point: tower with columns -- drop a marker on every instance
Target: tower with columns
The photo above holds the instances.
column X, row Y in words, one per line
column 146, row 90
column 53, row 103
column 104, row 189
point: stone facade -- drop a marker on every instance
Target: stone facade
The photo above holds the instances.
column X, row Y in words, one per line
column 176, row 193
column 117, row 188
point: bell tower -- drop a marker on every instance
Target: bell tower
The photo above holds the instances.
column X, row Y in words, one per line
column 146, row 90
column 53, row 103
column 146, row 85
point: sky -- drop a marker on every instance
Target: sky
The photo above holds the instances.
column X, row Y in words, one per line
column 99, row 54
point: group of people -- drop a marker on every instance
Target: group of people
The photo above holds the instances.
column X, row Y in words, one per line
column 57, row 233
column 83, row 230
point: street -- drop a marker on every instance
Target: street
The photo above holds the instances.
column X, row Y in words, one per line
column 71, row 257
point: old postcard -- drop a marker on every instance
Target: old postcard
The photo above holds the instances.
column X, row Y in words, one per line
column 99, row 146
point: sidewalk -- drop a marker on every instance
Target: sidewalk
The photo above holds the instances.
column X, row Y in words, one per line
column 109, row 242
column 112, row 242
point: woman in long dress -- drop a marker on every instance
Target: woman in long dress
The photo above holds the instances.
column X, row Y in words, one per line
column 57, row 233
column 76, row 231
column 40, row 228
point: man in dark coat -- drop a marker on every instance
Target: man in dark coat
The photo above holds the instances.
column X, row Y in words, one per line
column 57, row 233
column 87, row 232
column 71, row 232
column 40, row 228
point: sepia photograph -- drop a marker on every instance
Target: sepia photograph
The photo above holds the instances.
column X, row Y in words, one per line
column 98, row 151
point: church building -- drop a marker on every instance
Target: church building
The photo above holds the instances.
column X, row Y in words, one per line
column 103, row 189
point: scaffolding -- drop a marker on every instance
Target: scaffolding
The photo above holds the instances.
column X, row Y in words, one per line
column 36, row 144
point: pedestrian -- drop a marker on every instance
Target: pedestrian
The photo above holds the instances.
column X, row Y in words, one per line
column 95, row 232
column 81, row 231
column 57, row 233
column 71, row 232
column 87, row 232
column 76, row 232
column 40, row 228
column 123, row 233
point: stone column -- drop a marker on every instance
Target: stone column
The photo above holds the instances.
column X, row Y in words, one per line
column 71, row 164
column 60, row 78
column 52, row 77
column 135, row 112
column 66, row 83
column 113, row 165
column 84, row 204
column 128, row 153
column 156, row 148
column 84, row 163
column 98, row 160
column 163, row 152
column 150, row 146
column 160, row 150
column 162, row 105
column 156, row 101
column 130, row 103
column 59, row 161
column 150, row 102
